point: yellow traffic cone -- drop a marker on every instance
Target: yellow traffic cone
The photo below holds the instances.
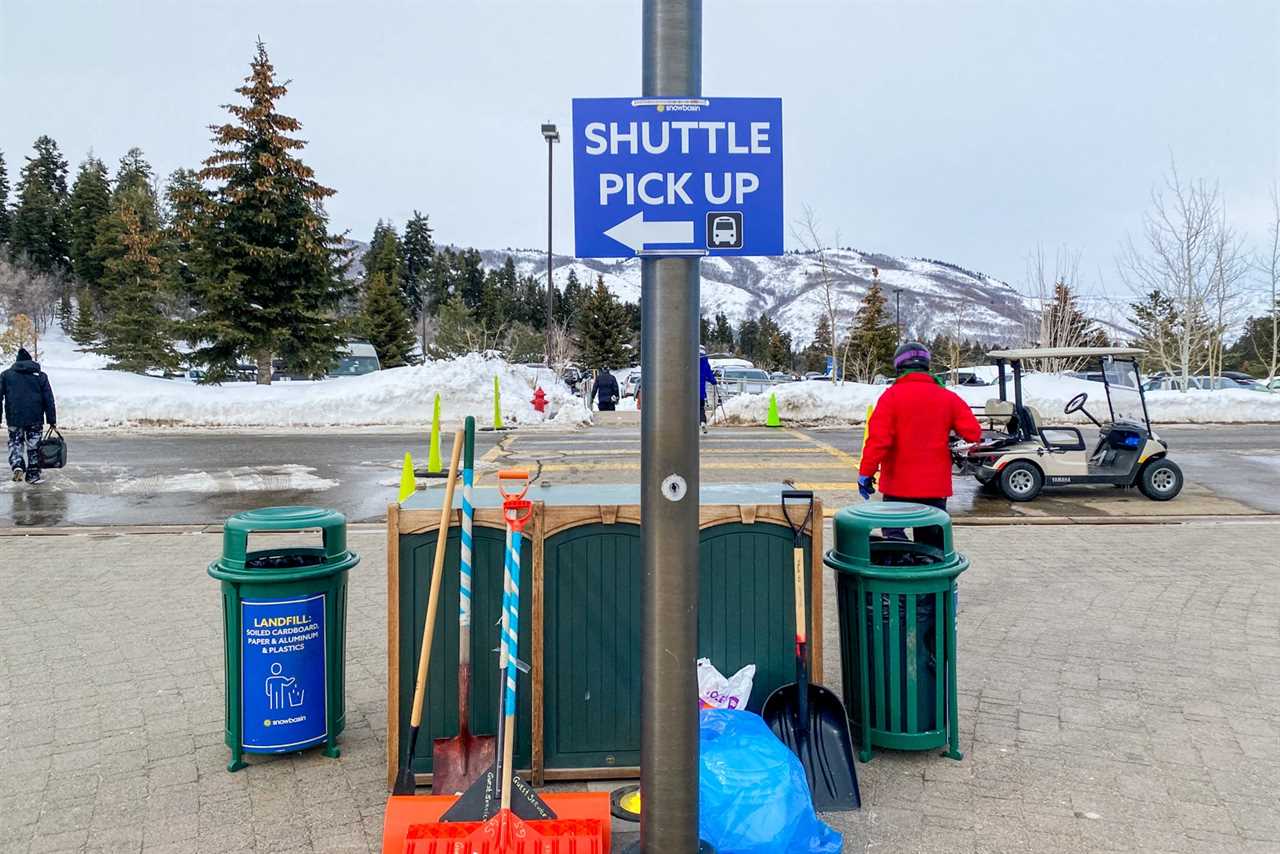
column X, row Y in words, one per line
column 434, row 466
column 772, row 419
column 408, row 483
column 497, row 405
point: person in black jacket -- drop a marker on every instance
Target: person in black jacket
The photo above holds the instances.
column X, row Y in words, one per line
column 605, row 391
column 27, row 403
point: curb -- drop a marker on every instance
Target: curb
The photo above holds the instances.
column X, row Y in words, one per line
column 957, row 521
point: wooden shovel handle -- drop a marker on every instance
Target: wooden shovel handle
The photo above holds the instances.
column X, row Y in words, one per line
column 437, row 572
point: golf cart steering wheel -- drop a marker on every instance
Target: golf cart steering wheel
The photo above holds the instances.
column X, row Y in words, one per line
column 1076, row 403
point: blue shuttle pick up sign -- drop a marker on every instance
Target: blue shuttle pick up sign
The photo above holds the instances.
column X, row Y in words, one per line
column 690, row 176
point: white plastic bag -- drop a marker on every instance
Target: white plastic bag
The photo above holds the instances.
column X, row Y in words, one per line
column 717, row 692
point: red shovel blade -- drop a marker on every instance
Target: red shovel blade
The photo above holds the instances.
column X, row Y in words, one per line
column 506, row 833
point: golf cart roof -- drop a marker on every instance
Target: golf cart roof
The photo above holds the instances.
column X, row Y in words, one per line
column 1063, row 352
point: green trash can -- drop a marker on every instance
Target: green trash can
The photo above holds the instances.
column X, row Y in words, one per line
column 284, row 626
column 896, row 605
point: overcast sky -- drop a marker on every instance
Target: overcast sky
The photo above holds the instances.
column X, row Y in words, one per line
column 965, row 131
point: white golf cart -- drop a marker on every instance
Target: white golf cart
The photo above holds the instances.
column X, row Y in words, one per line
column 1019, row 456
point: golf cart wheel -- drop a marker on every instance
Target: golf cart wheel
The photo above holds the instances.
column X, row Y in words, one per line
column 1160, row 480
column 1021, row 481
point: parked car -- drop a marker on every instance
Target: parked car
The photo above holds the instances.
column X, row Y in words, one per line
column 1201, row 382
column 817, row 376
column 630, row 383
column 734, row 381
column 356, row 359
column 782, row 377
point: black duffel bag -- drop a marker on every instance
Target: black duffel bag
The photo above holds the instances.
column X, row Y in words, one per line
column 51, row 450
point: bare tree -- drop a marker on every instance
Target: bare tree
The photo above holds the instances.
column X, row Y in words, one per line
column 805, row 231
column 562, row 347
column 1230, row 266
column 24, row 290
column 1268, row 263
column 1184, row 256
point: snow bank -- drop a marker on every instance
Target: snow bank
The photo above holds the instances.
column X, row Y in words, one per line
column 1048, row 393
column 89, row 398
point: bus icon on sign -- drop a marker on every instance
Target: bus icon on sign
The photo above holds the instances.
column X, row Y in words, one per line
column 724, row 230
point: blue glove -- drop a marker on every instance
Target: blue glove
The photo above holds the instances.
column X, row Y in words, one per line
column 867, row 486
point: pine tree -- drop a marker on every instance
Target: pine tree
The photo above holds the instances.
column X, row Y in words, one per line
column 38, row 229
column 385, row 321
column 188, row 205
column 570, row 299
column 722, row 333
column 602, row 332
column 531, row 303
column 135, row 332
column 471, row 278
column 704, row 330
column 874, row 336
column 819, row 350
column 134, row 179
column 4, row 201
column 748, row 332
column 89, row 204
column 273, row 286
column 385, row 255
column 458, row 332
column 419, row 251
column 497, row 298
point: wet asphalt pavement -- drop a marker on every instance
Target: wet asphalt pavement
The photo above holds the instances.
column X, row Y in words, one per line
column 203, row 477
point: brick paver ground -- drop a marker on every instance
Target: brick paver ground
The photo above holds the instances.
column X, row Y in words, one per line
column 1119, row 690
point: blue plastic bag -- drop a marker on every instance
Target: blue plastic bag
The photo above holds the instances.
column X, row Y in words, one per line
column 752, row 794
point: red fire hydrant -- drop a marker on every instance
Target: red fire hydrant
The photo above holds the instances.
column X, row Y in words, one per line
column 539, row 399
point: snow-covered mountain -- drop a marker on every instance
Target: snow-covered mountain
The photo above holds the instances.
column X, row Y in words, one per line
column 936, row 297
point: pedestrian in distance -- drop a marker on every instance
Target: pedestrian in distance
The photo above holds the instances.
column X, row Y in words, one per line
column 706, row 377
column 908, row 439
column 605, row 391
column 27, row 404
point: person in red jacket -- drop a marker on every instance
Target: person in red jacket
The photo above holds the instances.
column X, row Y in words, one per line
column 908, row 439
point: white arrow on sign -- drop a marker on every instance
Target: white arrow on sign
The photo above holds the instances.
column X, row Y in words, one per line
column 634, row 233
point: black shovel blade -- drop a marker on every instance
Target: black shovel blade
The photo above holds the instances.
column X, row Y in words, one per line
column 823, row 747
column 481, row 801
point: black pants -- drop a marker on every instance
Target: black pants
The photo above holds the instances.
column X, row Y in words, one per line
column 702, row 411
column 927, row 536
column 606, row 406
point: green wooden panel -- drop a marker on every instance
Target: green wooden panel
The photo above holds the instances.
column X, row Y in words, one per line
column 746, row 603
column 591, row 647
column 592, row 634
column 440, row 713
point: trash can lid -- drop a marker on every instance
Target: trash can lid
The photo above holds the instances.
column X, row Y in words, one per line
column 852, row 528
column 331, row 523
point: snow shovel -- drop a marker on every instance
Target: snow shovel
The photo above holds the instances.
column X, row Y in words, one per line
column 507, row 832
column 459, row 761
column 481, row 800
column 807, row 718
column 405, row 783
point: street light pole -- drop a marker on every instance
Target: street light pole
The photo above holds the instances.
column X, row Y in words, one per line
column 671, row 48
column 552, row 136
column 897, row 311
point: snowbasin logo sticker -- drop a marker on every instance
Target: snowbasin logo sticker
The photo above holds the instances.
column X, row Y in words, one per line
column 679, row 108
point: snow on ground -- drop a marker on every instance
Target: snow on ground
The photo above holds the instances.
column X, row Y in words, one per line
column 89, row 397
column 1048, row 393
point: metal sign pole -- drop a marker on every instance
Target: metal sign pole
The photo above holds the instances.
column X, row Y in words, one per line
column 672, row 60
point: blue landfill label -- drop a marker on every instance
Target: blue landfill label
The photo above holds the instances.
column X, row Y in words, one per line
column 283, row 687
